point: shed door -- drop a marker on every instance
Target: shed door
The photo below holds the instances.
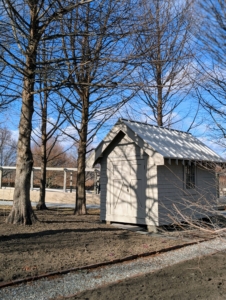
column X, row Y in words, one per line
column 128, row 188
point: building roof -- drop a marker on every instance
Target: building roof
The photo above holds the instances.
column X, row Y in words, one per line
column 172, row 143
column 169, row 143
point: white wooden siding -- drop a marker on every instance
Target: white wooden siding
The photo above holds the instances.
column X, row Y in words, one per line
column 103, row 189
column 151, row 194
column 191, row 203
column 126, row 152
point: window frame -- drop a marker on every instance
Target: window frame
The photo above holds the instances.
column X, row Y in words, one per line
column 190, row 177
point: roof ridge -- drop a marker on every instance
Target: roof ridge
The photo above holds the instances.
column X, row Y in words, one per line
column 162, row 127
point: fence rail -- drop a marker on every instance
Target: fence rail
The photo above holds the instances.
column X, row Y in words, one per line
column 65, row 170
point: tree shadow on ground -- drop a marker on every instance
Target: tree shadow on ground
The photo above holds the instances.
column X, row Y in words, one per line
column 53, row 232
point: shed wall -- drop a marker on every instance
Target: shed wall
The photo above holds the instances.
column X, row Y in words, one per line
column 191, row 203
column 124, row 151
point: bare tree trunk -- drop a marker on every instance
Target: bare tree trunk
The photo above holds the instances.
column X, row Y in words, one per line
column 22, row 212
column 42, row 194
column 41, row 203
column 159, row 70
column 159, row 103
column 80, row 208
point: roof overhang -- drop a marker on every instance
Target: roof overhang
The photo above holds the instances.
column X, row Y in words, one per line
column 111, row 136
column 159, row 159
column 205, row 163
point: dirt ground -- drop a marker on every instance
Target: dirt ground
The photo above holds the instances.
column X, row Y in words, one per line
column 203, row 278
column 61, row 240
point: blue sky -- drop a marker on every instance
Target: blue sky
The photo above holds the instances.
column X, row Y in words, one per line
column 10, row 119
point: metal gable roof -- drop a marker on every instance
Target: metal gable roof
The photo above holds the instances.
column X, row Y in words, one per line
column 173, row 144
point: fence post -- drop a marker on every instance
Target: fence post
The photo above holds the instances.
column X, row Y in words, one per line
column 65, row 179
column 32, row 179
column 0, row 177
column 71, row 182
column 95, row 183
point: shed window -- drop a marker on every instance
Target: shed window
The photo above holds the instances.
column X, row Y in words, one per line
column 190, row 176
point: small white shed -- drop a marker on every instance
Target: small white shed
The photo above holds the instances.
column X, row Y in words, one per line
column 154, row 176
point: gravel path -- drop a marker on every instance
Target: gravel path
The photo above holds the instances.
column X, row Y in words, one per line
column 76, row 282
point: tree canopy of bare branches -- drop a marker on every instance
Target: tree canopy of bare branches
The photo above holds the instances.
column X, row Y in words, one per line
column 165, row 53
column 212, row 80
column 27, row 24
column 7, row 148
column 96, row 72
